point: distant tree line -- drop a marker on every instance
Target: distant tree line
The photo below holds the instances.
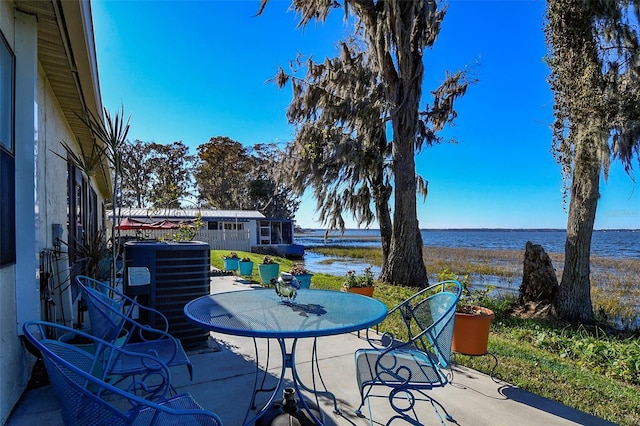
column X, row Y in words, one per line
column 223, row 175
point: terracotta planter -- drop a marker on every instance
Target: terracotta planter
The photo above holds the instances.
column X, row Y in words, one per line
column 471, row 332
column 365, row 291
column 268, row 271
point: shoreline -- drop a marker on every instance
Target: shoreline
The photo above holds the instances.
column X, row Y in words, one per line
column 352, row 239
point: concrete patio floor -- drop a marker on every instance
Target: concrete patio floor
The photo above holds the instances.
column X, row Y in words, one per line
column 224, row 378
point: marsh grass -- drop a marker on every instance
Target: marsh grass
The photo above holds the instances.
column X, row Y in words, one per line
column 615, row 291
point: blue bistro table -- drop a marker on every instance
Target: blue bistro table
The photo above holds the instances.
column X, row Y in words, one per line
column 262, row 314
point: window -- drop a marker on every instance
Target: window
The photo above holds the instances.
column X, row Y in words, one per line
column 82, row 209
column 6, row 95
column 7, row 157
column 7, row 209
column 76, row 199
column 233, row 226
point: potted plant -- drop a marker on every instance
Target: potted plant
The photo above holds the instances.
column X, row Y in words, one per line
column 472, row 322
column 302, row 274
column 246, row 266
column 268, row 269
column 361, row 284
column 91, row 255
column 231, row 262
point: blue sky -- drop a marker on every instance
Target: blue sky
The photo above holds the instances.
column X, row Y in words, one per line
column 190, row 71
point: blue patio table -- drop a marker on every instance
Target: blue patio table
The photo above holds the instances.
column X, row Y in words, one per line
column 262, row 314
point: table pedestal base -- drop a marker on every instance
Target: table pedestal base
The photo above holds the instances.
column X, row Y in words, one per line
column 273, row 412
column 289, row 412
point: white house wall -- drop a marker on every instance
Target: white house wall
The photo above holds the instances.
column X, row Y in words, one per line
column 52, row 169
column 18, row 284
column 51, row 197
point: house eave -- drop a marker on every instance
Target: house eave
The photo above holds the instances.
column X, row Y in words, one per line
column 67, row 54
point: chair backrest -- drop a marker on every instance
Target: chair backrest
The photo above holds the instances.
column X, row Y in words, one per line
column 80, row 405
column 433, row 315
column 105, row 306
column 111, row 311
column 78, row 380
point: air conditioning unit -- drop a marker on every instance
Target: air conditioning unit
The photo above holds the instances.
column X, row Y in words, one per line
column 179, row 273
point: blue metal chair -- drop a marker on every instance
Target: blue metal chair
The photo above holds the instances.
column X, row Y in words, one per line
column 88, row 399
column 110, row 311
column 408, row 366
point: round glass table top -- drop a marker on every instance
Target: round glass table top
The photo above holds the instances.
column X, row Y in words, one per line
column 261, row 313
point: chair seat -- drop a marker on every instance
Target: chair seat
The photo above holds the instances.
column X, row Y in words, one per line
column 178, row 402
column 166, row 350
column 398, row 368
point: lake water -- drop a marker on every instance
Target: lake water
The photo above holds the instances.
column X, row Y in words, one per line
column 605, row 243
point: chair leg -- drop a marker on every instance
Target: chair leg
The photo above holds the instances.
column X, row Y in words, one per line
column 365, row 398
column 358, row 410
column 190, row 368
column 435, row 404
column 407, row 409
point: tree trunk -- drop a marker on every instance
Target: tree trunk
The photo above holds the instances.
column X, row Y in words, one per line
column 384, row 221
column 403, row 89
column 574, row 297
column 405, row 263
column 397, row 33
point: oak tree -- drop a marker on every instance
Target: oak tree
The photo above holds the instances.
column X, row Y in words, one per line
column 221, row 174
column 595, row 61
column 396, row 34
column 136, row 172
column 171, row 174
column 266, row 193
column 340, row 150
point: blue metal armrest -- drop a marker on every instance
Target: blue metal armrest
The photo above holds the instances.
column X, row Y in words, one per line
column 413, row 361
column 82, row 394
column 95, row 356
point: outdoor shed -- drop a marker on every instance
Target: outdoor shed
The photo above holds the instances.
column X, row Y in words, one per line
column 245, row 230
